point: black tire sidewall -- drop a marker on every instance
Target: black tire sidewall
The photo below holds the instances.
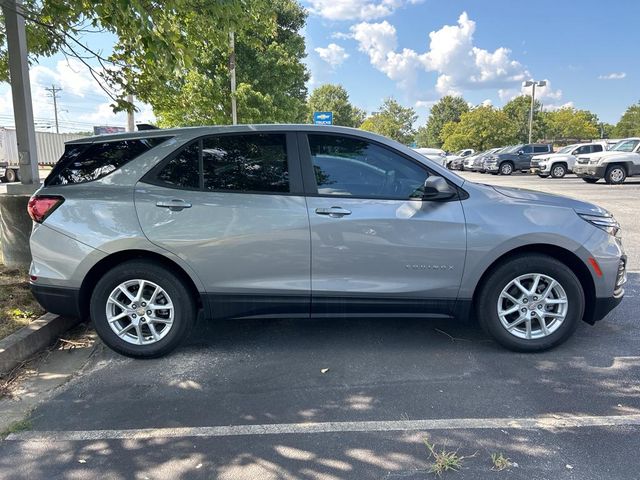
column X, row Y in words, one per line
column 501, row 276
column 182, row 299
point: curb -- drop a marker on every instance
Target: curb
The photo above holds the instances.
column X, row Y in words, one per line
column 40, row 333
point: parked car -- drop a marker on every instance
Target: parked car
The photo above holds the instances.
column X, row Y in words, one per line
column 454, row 161
column 473, row 163
column 144, row 231
column 435, row 154
column 615, row 165
column 558, row 164
column 516, row 158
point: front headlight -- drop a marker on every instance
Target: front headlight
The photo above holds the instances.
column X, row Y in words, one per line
column 595, row 161
column 603, row 222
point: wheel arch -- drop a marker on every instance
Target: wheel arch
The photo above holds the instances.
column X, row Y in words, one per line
column 564, row 256
column 110, row 261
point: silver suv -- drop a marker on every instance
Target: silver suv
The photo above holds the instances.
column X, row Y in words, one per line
column 144, row 231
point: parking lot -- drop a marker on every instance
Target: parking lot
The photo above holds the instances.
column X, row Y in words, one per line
column 327, row 399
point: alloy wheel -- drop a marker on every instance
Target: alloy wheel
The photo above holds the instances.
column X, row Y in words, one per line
column 140, row 312
column 532, row 306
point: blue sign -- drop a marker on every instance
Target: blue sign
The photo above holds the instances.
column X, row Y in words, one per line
column 323, row 118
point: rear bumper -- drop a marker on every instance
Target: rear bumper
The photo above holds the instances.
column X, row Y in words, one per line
column 60, row 300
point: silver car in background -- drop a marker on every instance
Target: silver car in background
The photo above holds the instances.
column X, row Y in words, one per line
column 141, row 232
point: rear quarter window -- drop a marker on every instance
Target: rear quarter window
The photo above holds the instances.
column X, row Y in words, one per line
column 86, row 162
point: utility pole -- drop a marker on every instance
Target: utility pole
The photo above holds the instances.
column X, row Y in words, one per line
column 131, row 124
column 232, row 71
column 21, row 91
column 54, row 94
column 533, row 83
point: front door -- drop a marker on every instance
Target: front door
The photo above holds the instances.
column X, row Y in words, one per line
column 231, row 206
column 376, row 247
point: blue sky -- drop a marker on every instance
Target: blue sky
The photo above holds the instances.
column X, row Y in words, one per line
column 419, row 50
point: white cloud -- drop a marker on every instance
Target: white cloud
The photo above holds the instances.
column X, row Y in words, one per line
column 81, row 103
column 356, row 9
column 613, row 76
column 460, row 64
column 487, row 102
column 341, row 36
column 543, row 94
column 424, row 103
column 550, row 107
column 333, row 54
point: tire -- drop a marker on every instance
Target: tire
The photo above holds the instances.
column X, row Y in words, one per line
column 506, row 168
column 558, row 170
column 173, row 291
column 10, row 175
column 615, row 175
column 543, row 175
column 525, row 268
column 590, row 180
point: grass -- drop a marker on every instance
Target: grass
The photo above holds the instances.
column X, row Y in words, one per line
column 500, row 462
column 443, row 460
column 17, row 305
column 15, row 427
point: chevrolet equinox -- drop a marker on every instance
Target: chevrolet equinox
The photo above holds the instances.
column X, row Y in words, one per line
column 143, row 231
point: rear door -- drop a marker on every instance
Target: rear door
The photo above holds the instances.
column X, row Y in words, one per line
column 231, row 206
column 377, row 248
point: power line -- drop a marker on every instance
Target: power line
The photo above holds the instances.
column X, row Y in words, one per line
column 54, row 94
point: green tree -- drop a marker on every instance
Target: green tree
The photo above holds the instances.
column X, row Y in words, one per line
column 607, row 130
column 393, row 121
column 269, row 72
column 481, row 128
column 629, row 124
column 334, row 98
column 572, row 124
column 447, row 109
column 151, row 39
column 517, row 110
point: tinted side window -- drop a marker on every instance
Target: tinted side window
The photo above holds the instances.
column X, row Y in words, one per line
column 597, row 148
column 527, row 149
column 183, row 170
column 85, row 162
column 249, row 163
column 354, row 167
column 540, row 148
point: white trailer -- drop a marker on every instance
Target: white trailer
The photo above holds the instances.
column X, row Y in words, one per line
column 50, row 148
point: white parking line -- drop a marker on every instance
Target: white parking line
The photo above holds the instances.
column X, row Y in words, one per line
column 549, row 422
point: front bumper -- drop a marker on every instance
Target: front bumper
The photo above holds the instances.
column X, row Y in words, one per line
column 491, row 167
column 585, row 170
column 59, row 300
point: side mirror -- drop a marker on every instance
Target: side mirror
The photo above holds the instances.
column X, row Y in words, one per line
column 436, row 188
column 520, row 152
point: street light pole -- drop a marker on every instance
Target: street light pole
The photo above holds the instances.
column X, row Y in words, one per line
column 533, row 84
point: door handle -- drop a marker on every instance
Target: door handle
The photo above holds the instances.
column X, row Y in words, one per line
column 335, row 212
column 175, row 205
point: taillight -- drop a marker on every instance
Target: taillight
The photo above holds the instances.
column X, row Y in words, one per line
column 41, row 206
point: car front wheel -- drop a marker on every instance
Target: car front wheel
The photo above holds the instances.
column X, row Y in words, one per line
column 590, row 180
column 531, row 303
column 558, row 171
column 615, row 175
column 141, row 309
column 506, row 168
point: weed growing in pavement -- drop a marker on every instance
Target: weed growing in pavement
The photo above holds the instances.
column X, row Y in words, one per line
column 443, row 460
column 15, row 427
column 500, row 462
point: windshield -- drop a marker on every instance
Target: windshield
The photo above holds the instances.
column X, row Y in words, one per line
column 625, row 145
column 566, row 149
column 515, row 148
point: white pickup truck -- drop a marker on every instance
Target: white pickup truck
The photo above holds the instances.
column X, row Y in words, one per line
column 557, row 165
column 615, row 165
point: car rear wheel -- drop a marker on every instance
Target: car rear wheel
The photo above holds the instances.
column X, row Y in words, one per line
column 558, row 170
column 506, row 168
column 531, row 303
column 142, row 310
column 10, row 175
column 615, row 175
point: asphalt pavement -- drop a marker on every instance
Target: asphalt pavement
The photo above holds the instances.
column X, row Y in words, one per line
column 335, row 399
